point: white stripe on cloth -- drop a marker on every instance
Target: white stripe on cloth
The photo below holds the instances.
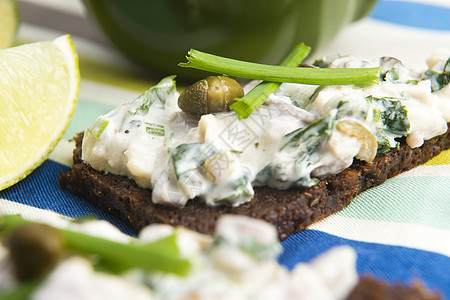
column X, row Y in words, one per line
column 31, row 213
column 443, row 3
column 63, row 152
column 390, row 233
column 370, row 39
column 99, row 228
column 439, row 170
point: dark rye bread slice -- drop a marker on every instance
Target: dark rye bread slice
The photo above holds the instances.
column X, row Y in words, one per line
column 369, row 288
column 290, row 210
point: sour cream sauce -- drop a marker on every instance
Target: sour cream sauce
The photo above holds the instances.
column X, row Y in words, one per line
column 285, row 143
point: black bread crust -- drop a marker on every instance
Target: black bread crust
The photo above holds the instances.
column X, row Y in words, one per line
column 369, row 288
column 290, row 210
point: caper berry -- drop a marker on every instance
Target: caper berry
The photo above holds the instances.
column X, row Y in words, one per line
column 34, row 249
column 210, row 95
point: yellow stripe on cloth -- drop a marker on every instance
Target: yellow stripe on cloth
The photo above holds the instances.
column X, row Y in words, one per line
column 113, row 75
column 442, row 159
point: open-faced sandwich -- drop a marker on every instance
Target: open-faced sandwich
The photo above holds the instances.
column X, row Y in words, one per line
column 58, row 259
column 302, row 155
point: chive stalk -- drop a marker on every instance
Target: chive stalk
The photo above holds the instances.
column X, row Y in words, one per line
column 120, row 256
column 162, row 255
column 315, row 76
column 258, row 95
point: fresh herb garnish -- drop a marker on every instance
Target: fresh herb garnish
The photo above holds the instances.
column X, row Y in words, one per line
column 393, row 114
column 315, row 76
column 240, row 187
column 269, row 74
column 154, row 129
column 189, row 157
column 321, row 127
column 257, row 96
column 301, row 150
column 158, row 92
column 97, row 128
column 255, row 248
column 383, row 141
column 326, row 61
column 438, row 80
column 161, row 255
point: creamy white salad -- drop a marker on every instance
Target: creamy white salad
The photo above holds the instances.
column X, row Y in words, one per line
column 302, row 132
column 238, row 262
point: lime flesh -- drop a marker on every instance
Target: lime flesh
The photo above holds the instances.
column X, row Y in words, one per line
column 38, row 94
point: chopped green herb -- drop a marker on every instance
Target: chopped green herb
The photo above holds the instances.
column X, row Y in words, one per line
column 253, row 247
column 391, row 75
column 241, row 186
column 154, row 129
column 158, row 92
column 438, row 80
column 321, row 127
column 383, row 142
column 188, row 157
column 311, row 98
column 326, row 61
column 393, row 115
column 97, row 128
column 307, row 142
column 376, row 114
column 307, row 181
column 345, row 109
column 301, row 148
column 264, row 175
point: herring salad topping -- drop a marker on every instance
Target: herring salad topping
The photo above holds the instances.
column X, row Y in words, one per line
column 300, row 133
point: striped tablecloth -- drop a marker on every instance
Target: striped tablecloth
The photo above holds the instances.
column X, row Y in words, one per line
column 400, row 230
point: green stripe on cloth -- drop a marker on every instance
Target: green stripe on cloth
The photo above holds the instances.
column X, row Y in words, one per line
column 418, row 200
column 85, row 114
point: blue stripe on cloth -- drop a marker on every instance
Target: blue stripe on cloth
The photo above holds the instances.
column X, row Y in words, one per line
column 392, row 263
column 412, row 14
column 41, row 189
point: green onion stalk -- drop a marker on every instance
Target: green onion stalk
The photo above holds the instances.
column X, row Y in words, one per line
column 288, row 71
column 161, row 256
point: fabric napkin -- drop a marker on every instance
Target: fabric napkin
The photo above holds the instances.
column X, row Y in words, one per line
column 400, row 230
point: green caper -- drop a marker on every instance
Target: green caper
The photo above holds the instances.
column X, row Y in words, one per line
column 210, row 95
column 34, row 250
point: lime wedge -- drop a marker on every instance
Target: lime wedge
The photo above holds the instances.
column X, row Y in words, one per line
column 38, row 93
column 9, row 20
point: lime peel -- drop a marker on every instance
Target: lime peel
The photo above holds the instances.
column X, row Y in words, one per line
column 38, row 95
